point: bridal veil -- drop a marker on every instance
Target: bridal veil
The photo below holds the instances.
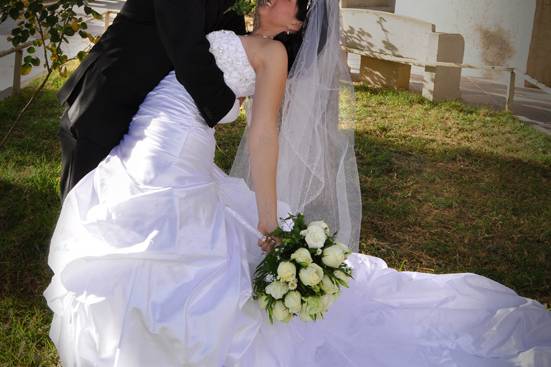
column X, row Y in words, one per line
column 317, row 172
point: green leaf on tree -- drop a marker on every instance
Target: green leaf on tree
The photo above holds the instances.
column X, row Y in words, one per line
column 26, row 69
column 81, row 55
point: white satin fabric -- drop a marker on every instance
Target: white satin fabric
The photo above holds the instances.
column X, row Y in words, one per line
column 154, row 251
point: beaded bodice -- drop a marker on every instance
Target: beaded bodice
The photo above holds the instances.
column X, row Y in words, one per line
column 231, row 58
column 170, row 99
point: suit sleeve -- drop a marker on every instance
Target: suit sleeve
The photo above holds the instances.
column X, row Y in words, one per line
column 181, row 25
column 233, row 114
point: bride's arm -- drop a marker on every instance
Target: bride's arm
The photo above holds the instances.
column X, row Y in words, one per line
column 271, row 74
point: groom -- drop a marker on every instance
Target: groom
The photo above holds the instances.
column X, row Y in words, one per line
column 147, row 39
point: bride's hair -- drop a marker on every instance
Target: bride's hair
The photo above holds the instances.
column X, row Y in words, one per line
column 291, row 41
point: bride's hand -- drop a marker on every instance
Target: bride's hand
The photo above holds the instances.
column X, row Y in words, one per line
column 267, row 243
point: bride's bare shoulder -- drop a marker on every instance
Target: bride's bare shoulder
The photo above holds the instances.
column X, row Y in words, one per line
column 264, row 52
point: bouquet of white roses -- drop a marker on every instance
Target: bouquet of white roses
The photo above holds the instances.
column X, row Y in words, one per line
column 301, row 276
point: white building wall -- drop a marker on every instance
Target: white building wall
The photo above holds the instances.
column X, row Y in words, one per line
column 496, row 32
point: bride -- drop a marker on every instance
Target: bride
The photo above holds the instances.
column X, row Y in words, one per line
column 154, row 249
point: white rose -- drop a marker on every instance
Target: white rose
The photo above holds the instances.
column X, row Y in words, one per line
column 315, row 236
column 277, row 289
column 314, row 305
column 304, row 315
column 286, row 271
column 344, row 248
column 292, row 284
column 263, row 301
column 293, row 301
column 327, row 300
column 328, row 286
column 320, row 224
column 333, row 256
column 302, row 256
column 316, row 288
column 311, row 275
column 280, row 312
column 342, row 276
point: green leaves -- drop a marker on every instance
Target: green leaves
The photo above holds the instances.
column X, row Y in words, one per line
column 35, row 61
column 51, row 20
column 47, row 27
column 25, row 69
column 243, row 7
column 90, row 11
column 81, row 55
column 68, row 31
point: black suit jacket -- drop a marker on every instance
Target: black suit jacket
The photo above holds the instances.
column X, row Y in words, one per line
column 147, row 39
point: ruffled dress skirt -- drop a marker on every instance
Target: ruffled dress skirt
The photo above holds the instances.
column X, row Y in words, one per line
column 154, row 252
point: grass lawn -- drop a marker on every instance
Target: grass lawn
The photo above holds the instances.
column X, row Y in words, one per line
column 446, row 188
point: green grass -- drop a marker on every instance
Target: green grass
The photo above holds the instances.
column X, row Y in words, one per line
column 29, row 205
column 446, row 188
column 450, row 188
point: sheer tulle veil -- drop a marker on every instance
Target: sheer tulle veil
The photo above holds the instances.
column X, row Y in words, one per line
column 317, row 172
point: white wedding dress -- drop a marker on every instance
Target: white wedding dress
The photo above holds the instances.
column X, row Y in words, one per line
column 154, row 251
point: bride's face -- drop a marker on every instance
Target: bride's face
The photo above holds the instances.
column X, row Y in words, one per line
column 284, row 14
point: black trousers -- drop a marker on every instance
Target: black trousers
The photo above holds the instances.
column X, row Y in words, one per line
column 78, row 156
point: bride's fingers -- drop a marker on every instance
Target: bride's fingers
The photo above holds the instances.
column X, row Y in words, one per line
column 263, row 245
column 275, row 241
column 268, row 244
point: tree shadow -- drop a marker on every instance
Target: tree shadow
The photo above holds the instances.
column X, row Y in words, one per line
column 28, row 211
column 455, row 210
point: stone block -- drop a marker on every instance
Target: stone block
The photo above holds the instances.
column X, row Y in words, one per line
column 384, row 74
column 442, row 82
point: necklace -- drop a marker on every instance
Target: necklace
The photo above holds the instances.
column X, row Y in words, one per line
column 260, row 35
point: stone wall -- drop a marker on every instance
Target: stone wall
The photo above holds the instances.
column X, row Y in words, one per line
column 496, row 32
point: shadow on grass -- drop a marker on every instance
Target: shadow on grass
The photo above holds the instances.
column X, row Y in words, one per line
column 27, row 215
column 29, row 201
column 27, row 219
column 450, row 211
column 457, row 210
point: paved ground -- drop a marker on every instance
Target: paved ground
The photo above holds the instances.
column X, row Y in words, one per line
column 531, row 105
